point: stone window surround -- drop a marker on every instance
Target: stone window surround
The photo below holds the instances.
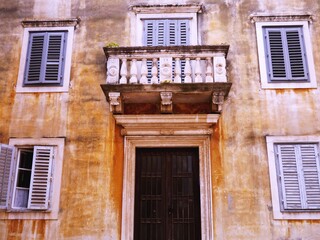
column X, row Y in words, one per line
column 67, row 25
column 150, row 131
column 261, row 21
column 58, row 143
column 271, row 141
column 139, row 13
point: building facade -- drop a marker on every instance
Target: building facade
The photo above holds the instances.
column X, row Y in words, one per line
column 160, row 119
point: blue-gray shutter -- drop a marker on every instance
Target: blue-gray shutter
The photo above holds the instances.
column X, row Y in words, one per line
column 35, row 57
column 39, row 193
column 298, row 176
column 166, row 32
column 54, row 60
column 6, row 156
column 285, row 53
column 45, row 58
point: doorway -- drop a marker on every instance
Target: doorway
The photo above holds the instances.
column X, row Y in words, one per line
column 167, row 194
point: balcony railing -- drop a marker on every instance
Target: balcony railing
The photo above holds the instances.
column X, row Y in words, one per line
column 177, row 64
column 174, row 79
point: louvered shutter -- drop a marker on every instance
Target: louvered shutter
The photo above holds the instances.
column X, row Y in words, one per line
column 285, row 52
column 54, row 58
column 166, row 32
column 6, row 156
column 298, row 170
column 40, row 178
column 45, row 58
column 35, row 58
column 311, row 171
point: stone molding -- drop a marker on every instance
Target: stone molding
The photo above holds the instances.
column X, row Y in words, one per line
column 74, row 22
column 261, row 17
column 165, row 124
column 131, row 143
column 170, row 8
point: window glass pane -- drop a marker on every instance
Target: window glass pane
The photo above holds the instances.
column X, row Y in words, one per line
column 26, row 156
column 21, row 198
column 24, row 177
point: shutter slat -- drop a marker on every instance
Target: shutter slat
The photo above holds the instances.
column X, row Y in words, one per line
column 40, row 179
column 6, row 156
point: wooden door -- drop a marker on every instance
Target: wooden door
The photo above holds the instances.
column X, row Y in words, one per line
column 167, row 194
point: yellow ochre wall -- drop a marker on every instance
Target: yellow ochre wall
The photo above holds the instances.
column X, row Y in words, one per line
column 91, row 191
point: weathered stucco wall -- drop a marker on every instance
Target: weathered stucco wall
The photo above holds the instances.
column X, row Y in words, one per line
column 90, row 202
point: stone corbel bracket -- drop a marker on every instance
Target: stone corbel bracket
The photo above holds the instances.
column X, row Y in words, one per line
column 116, row 103
column 217, row 101
column 166, row 102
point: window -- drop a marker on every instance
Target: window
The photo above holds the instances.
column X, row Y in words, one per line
column 30, row 172
column 295, row 176
column 45, row 61
column 285, row 55
column 166, row 19
column 45, row 58
column 166, row 32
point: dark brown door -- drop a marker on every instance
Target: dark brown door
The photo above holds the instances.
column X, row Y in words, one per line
column 167, row 194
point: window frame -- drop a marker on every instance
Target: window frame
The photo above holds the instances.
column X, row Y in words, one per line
column 12, row 212
column 263, row 62
column 21, row 87
column 137, row 23
column 278, row 212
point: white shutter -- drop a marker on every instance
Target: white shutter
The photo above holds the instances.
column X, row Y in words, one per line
column 6, row 156
column 40, row 178
column 299, row 169
column 54, row 57
column 311, row 170
column 289, row 177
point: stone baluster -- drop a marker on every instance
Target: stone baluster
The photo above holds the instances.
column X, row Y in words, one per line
column 123, row 72
column 198, row 78
column 113, row 70
column 209, row 70
column 177, row 71
column 144, row 71
column 133, row 71
column 187, row 71
column 220, row 69
column 154, row 71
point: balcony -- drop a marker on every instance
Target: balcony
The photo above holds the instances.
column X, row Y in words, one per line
column 174, row 79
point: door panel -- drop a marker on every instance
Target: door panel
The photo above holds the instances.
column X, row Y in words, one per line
column 167, row 202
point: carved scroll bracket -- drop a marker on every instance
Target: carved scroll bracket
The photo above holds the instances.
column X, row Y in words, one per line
column 116, row 103
column 217, row 101
column 166, row 102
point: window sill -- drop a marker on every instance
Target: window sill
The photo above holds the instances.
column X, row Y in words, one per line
column 4, row 214
column 39, row 89
column 296, row 215
column 288, row 85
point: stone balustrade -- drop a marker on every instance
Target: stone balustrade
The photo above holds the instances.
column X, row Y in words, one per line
column 176, row 64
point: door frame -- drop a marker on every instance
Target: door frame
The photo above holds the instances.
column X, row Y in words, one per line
column 128, row 194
